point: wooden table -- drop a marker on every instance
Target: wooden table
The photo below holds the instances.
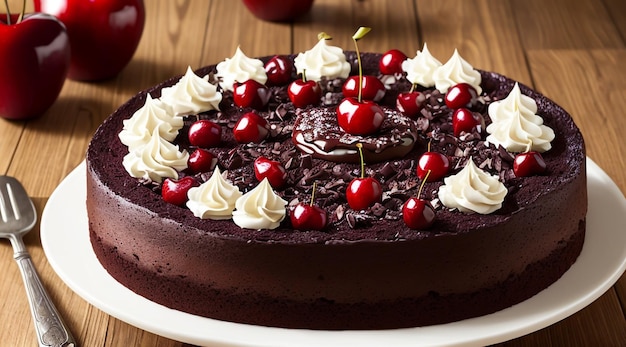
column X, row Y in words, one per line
column 572, row 51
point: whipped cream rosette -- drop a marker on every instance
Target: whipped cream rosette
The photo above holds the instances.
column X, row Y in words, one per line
column 213, row 199
column 516, row 125
column 456, row 70
column 421, row 68
column 240, row 68
column 323, row 60
column 260, row 208
column 152, row 117
column 192, row 94
column 472, row 190
column 155, row 160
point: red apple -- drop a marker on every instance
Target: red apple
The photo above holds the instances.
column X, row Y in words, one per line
column 104, row 34
column 34, row 60
column 278, row 10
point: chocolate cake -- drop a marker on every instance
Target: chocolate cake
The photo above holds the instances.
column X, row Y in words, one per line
column 366, row 269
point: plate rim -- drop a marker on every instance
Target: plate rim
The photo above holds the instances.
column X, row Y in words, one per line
column 76, row 276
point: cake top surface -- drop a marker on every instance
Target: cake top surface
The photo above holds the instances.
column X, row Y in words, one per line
column 488, row 152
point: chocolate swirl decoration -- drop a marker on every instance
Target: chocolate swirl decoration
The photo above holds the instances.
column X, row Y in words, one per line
column 317, row 133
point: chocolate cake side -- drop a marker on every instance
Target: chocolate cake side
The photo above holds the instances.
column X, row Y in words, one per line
column 368, row 273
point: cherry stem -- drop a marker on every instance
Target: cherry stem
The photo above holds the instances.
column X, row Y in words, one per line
column 412, row 87
column 360, row 147
column 6, row 5
column 303, row 75
column 19, row 19
column 360, row 33
column 358, row 57
column 419, row 191
column 313, row 193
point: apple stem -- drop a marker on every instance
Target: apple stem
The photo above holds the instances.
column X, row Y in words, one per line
column 360, row 147
column 313, row 193
column 419, row 191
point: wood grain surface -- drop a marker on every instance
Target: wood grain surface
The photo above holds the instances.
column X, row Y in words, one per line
column 571, row 51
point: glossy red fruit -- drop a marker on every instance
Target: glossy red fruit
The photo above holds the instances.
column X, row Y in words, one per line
column 461, row 95
column 175, row 191
column 34, row 60
column 435, row 162
column 251, row 94
column 251, row 128
column 278, row 10
column 410, row 103
column 308, row 217
column 104, row 34
column 200, row 160
column 391, row 62
column 363, row 193
column 372, row 88
column 464, row 120
column 272, row 170
column 278, row 69
column 304, row 93
column 359, row 118
column 204, row 133
column 528, row 164
column 418, row 214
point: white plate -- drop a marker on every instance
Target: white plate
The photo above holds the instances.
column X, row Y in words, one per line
column 65, row 239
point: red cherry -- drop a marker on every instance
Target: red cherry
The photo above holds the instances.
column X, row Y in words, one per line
column 204, row 133
column 461, row 95
column 308, row 217
column 200, row 160
column 278, row 70
column 372, row 88
column 434, row 162
column 303, row 93
column 272, row 170
column 418, row 214
column 363, row 193
column 410, row 103
column 528, row 164
column 359, row 118
column 251, row 128
column 175, row 191
column 464, row 120
column 251, row 94
column 391, row 62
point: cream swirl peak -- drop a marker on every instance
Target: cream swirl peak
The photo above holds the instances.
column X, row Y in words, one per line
column 456, row 70
column 323, row 60
column 472, row 190
column 213, row 199
column 192, row 94
column 260, row 208
column 155, row 160
column 420, row 70
column 240, row 68
column 516, row 126
column 151, row 118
